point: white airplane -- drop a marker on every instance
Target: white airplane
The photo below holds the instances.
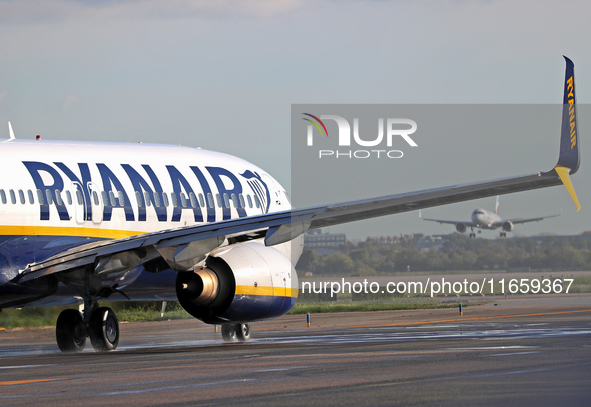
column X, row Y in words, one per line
column 483, row 219
column 157, row 222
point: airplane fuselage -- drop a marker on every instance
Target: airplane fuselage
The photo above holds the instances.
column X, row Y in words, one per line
column 57, row 195
column 485, row 219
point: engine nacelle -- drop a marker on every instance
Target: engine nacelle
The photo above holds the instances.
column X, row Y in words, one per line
column 460, row 227
column 508, row 226
column 245, row 283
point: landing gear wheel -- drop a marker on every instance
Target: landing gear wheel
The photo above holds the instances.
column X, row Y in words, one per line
column 70, row 331
column 243, row 332
column 236, row 332
column 229, row 333
column 104, row 329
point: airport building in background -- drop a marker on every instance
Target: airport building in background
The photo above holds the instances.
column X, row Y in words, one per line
column 324, row 243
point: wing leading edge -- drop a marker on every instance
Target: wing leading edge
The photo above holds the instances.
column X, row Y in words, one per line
column 281, row 227
column 517, row 221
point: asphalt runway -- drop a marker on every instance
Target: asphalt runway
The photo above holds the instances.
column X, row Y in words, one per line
column 521, row 351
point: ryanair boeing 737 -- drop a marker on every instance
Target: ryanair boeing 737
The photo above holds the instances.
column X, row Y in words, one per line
column 157, row 222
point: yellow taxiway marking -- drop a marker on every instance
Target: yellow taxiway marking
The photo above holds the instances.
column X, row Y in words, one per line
column 12, row 382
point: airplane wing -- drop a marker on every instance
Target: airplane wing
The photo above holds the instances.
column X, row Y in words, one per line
column 516, row 221
column 449, row 222
column 108, row 258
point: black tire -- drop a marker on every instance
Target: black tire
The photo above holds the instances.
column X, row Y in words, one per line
column 229, row 333
column 104, row 329
column 243, row 332
column 70, row 331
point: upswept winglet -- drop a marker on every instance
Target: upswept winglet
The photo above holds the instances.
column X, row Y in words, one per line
column 570, row 153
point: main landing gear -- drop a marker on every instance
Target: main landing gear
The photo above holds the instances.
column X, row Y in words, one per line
column 472, row 233
column 236, row 332
column 99, row 324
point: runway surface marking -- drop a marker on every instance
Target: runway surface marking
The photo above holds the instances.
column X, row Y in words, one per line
column 468, row 319
column 13, row 382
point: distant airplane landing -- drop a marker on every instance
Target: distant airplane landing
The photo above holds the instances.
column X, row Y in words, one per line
column 483, row 219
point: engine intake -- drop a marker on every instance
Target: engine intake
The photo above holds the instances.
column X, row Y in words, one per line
column 244, row 283
column 460, row 227
column 508, row 226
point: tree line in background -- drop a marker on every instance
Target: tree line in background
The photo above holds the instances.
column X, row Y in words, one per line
column 457, row 252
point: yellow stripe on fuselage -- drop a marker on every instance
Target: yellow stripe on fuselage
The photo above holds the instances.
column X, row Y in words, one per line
column 268, row 291
column 65, row 231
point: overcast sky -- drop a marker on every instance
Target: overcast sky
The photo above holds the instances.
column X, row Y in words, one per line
column 222, row 75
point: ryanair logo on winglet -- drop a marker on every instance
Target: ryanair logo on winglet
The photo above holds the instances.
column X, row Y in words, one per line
column 570, row 87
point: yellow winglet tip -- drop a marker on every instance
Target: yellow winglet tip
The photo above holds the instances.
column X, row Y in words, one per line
column 563, row 173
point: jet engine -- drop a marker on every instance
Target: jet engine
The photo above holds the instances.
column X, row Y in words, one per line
column 460, row 227
column 245, row 282
column 508, row 226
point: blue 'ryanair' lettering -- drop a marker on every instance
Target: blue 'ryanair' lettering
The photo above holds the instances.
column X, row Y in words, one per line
column 217, row 173
column 206, row 191
column 49, row 190
column 80, row 185
column 141, row 185
column 178, row 181
column 109, row 181
column 50, row 183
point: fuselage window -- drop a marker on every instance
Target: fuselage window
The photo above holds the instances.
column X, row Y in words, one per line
column 21, row 196
column 121, row 198
column 183, row 200
column 218, row 198
column 3, row 196
column 210, row 200
column 257, row 202
column 156, row 199
column 147, row 198
column 79, row 197
column 242, row 204
column 39, row 196
column 95, row 197
column 31, row 197
column 69, row 197
column 165, row 199
column 112, row 198
column 49, row 197
column 138, row 197
column 249, row 201
column 234, row 200
column 201, row 201
column 105, row 198
column 173, row 199
column 13, row 196
column 193, row 199
column 226, row 201
column 58, row 197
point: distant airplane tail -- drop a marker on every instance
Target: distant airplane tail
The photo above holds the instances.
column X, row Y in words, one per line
column 570, row 153
column 497, row 205
column 10, row 132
